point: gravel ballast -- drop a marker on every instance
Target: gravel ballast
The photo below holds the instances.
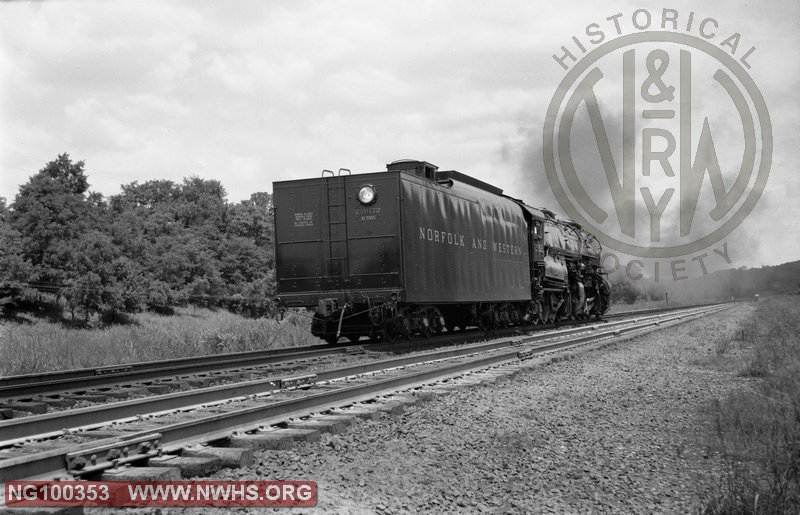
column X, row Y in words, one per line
column 623, row 428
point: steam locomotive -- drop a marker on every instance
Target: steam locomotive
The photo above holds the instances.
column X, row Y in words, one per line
column 414, row 251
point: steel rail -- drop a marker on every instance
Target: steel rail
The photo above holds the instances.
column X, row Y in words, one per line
column 30, row 385
column 57, row 422
column 155, row 370
column 145, row 366
column 660, row 310
column 216, row 426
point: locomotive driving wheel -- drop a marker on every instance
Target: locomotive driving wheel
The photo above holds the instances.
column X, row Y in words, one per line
column 567, row 308
column 550, row 308
column 536, row 309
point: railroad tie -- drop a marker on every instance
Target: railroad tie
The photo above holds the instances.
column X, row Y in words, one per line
column 273, row 439
column 189, row 466
column 328, row 424
column 142, row 474
column 229, row 457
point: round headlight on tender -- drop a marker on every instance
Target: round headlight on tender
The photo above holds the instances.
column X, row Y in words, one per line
column 367, row 195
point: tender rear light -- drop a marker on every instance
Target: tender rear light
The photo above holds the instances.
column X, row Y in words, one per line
column 367, row 194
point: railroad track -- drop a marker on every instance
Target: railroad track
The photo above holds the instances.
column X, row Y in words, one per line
column 92, row 378
column 89, row 441
column 90, row 384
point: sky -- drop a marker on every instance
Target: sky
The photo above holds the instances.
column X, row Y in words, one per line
column 251, row 92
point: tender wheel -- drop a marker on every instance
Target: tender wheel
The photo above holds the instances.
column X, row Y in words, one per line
column 425, row 331
column 388, row 335
column 391, row 331
column 438, row 323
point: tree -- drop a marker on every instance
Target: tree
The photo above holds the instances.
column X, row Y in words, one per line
column 50, row 212
column 252, row 219
column 160, row 297
column 241, row 260
column 130, row 292
column 623, row 289
column 155, row 245
column 14, row 267
column 201, row 203
column 89, row 274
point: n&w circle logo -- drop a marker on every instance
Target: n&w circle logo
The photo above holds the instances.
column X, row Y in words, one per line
column 657, row 139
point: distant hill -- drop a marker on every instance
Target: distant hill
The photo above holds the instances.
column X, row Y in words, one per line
column 738, row 283
column 741, row 283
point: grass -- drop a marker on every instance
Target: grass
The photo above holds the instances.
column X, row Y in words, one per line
column 39, row 344
column 44, row 346
column 758, row 428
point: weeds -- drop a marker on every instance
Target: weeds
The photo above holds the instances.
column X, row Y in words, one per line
column 758, row 429
column 44, row 346
column 723, row 345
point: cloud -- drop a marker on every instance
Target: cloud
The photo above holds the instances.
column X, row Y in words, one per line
column 91, row 123
column 268, row 91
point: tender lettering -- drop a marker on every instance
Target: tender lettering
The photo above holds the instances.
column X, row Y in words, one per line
column 441, row 236
column 444, row 237
column 304, row 219
column 367, row 211
column 505, row 248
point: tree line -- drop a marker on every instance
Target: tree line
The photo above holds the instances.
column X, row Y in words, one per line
column 734, row 283
column 154, row 246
